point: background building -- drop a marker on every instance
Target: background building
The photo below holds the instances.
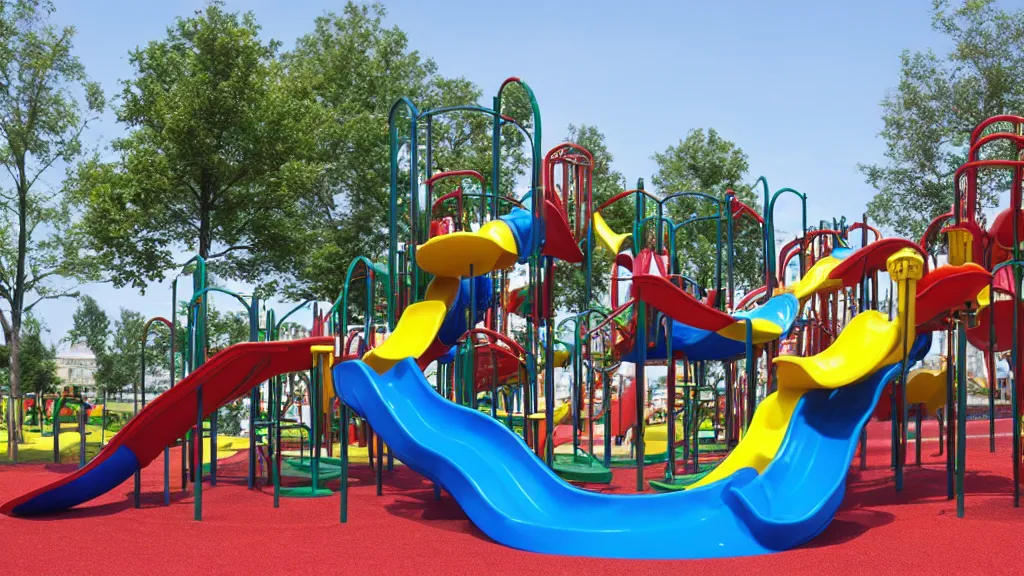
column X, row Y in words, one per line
column 76, row 366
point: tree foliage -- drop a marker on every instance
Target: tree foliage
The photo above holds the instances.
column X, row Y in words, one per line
column 219, row 158
column 90, row 325
column 938, row 100
column 121, row 367
column 705, row 162
column 223, row 329
column 41, row 255
column 357, row 68
column 118, row 351
column 38, row 361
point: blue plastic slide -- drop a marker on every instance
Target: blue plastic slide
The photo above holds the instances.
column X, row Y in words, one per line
column 516, row 500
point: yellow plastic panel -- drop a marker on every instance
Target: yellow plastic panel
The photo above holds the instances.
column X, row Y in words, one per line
column 927, row 387
column 493, row 247
column 612, row 241
column 764, row 330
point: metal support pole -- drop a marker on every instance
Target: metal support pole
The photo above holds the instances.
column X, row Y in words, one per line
column 343, row 489
column 917, row 435
column 198, row 460
column 640, row 346
column 950, row 440
column 961, row 415
column 81, row 434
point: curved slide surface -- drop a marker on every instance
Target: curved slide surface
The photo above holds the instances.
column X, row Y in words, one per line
column 225, row 377
column 803, row 487
column 516, row 500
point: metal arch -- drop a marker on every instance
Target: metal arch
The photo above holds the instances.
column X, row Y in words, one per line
column 278, row 323
column 236, row 296
column 769, row 228
column 700, row 195
column 413, row 194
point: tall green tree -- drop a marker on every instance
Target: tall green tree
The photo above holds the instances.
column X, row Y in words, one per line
column 217, row 159
column 708, row 163
column 41, row 254
column 39, row 373
column 357, row 68
column 118, row 350
column 91, row 325
column 38, row 363
column 121, row 366
column 38, row 360
column 937, row 101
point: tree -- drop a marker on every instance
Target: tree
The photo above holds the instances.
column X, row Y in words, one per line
column 216, row 160
column 358, row 68
column 223, row 329
column 939, row 99
column 122, row 366
column 38, row 362
column 707, row 163
column 227, row 328
column 41, row 253
column 90, row 325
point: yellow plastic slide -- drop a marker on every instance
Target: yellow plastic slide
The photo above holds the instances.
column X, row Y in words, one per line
column 417, row 327
column 447, row 257
column 861, row 349
column 454, row 255
column 816, row 279
column 869, row 342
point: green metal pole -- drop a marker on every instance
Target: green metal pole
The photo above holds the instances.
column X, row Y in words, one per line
column 961, row 415
column 315, row 393
column 81, row 432
column 198, row 470
column 57, row 405
column 199, row 358
column 273, row 440
column 641, row 353
column 171, row 382
column 254, row 396
column 142, row 384
column 948, row 415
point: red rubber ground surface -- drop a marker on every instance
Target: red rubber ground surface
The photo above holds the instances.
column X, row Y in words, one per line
column 406, row 532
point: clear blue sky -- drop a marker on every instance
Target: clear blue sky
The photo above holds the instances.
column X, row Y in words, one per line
column 796, row 84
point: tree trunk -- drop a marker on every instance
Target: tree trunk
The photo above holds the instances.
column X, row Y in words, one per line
column 204, row 236
column 14, row 432
column 206, row 191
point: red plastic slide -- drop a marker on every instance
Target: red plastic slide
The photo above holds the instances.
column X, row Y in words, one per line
column 225, row 377
column 623, row 413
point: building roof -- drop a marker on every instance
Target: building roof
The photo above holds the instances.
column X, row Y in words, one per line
column 77, row 351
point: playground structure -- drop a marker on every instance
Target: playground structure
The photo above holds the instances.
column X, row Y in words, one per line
column 780, row 378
